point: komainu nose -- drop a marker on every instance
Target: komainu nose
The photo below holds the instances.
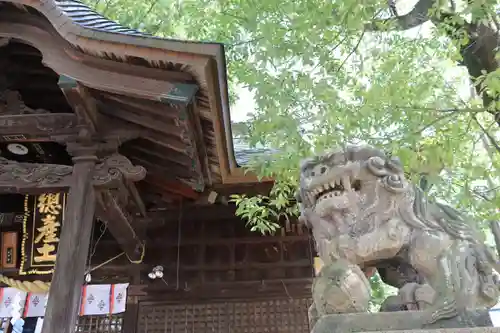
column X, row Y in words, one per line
column 319, row 170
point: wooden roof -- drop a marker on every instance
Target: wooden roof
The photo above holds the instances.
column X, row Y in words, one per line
column 171, row 96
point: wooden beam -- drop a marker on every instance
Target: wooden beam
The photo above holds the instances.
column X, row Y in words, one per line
column 197, row 134
column 119, row 222
column 136, row 198
column 192, row 213
column 4, row 41
column 32, row 177
column 39, row 126
column 65, row 291
column 150, row 121
column 171, row 186
column 68, row 62
column 80, row 101
column 279, row 288
column 110, row 132
column 35, row 178
column 186, row 122
column 112, row 204
column 161, row 243
column 181, row 93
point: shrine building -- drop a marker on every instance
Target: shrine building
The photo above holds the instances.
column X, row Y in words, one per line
column 116, row 164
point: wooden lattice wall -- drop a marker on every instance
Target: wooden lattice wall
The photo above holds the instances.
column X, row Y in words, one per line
column 226, row 251
column 219, row 277
column 100, row 324
column 270, row 316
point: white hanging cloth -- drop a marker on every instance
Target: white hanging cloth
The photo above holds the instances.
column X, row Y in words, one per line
column 100, row 299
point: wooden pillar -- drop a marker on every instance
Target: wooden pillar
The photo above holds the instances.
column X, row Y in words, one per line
column 130, row 318
column 65, row 291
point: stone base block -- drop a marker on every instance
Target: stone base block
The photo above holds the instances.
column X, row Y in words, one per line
column 448, row 330
column 399, row 322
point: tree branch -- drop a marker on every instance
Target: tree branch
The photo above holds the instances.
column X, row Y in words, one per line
column 490, row 137
column 354, row 49
column 418, row 15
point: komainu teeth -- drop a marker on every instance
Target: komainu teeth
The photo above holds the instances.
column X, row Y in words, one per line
column 346, row 182
column 337, row 193
column 332, row 184
column 337, row 181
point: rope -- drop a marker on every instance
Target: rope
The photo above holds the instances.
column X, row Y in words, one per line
column 27, row 286
column 43, row 287
column 139, row 261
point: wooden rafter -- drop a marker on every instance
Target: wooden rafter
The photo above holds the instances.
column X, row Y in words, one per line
column 171, row 186
column 110, row 133
column 195, row 146
column 80, row 101
column 120, row 223
column 195, row 124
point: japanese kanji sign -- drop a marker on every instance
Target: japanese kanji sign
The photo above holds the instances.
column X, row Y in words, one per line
column 44, row 215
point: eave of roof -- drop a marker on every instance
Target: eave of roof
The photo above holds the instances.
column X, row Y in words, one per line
column 87, row 29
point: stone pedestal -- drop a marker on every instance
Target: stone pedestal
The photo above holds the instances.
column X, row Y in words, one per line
column 403, row 322
column 449, row 330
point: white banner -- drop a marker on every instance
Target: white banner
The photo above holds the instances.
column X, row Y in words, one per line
column 101, row 299
column 9, row 296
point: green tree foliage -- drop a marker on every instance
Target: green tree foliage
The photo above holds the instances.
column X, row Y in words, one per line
column 329, row 72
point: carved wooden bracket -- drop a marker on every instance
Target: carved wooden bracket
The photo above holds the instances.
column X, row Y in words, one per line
column 34, row 178
column 115, row 169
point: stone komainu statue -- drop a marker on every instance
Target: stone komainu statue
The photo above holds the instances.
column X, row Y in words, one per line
column 364, row 214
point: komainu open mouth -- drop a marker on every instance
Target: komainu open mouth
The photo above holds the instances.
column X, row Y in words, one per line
column 335, row 188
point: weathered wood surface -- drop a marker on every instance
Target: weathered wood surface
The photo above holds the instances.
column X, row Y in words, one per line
column 34, row 178
column 118, row 98
column 119, row 224
column 157, row 290
column 65, row 292
column 39, row 125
